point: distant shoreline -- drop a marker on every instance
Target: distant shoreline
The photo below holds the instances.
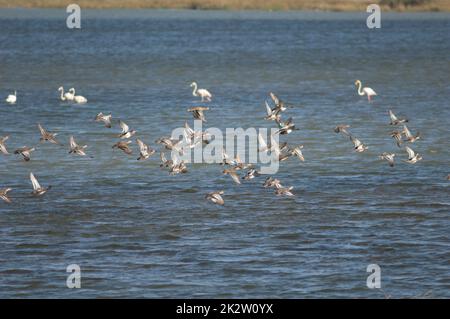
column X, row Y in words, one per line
column 234, row 5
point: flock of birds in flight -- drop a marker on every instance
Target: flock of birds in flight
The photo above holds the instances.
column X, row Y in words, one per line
column 193, row 138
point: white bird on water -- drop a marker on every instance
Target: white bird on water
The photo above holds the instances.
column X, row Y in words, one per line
column 78, row 98
column 12, row 98
column 365, row 91
column 203, row 93
column 65, row 96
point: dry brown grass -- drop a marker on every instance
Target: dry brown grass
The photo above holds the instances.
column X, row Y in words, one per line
column 325, row 5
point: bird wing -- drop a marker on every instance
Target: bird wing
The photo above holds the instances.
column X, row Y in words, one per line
column 235, row 177
column 42, row 130
column 392, row 115
column 406, row 131
column 162, row 156
column 175, row 158
column 355, row 141
column 34, row 181
column 3, row 149
column 238, row 159
column 274, row 98
column 289, row 122
column 262, row 143
column 224, row 155
column 142, row 147
column 73, row 144
column 274, row 146
column 411, row 153
column 268, row 109
column 218, row 198
column 124, row 127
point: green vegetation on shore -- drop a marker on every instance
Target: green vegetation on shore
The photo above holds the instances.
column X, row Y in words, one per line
column 325, row 5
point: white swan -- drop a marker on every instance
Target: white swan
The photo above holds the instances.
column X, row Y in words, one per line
column 68, row 96
column 365, row 91
column 78, row 98
column 12, row 98
column 205, row 94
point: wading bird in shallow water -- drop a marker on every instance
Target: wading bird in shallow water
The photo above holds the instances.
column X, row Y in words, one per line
column 123, row 145
column 144, row 150
column 37, row 189
column 203, row 93
column 342, row 129
column 388, row 157
column 216, row 197
column 12, row 98
column 395, row 120
column 78, row 98
column 3, row 149
column 126, row 132
column 448, row 177
column 359, row 147
column 25, row 152
column 365, row 91
column 106, row 119
column 4, row 194
column 67, row 96
column 412, row 156
column 75, row 148
column 409, row 137
column 47, row 136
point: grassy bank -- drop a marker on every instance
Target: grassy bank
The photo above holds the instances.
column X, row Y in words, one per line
column 325, row 5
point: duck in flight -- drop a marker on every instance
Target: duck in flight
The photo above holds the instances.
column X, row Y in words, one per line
column 216, row 197
column 389, row 157
column 123, row 145
column 197, row 112
column 126, row 132
column 4, row 194
column 342, row 128
column 106, row 119
column 25, row 151
column 37, row 189
column 3, row 149
column 272, row 182
column 144, row 150
column 75, row 148
column 284, row 191
column 412, row 156
column 233, row 174
column 395, row 120
column 47, row 136
column 359, row 147
column 409, row 137
column 397, row 136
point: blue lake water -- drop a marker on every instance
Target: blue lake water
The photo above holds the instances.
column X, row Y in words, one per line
column 136, row 231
